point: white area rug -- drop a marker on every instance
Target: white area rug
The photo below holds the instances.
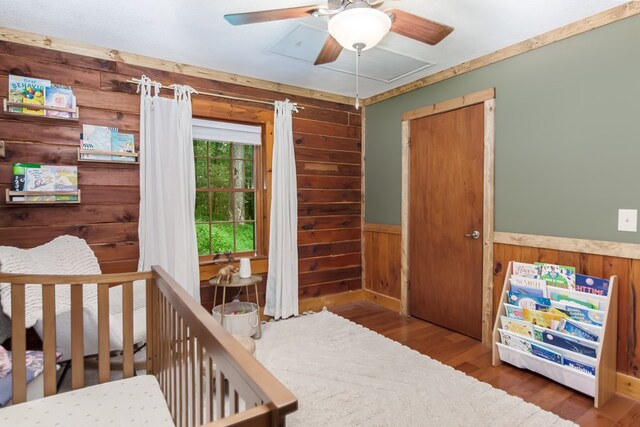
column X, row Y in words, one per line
column 346, row 375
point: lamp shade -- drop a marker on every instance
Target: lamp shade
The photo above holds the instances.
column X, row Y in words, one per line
column 364, row 26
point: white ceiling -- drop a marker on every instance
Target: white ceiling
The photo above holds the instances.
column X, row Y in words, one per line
column 194, row 32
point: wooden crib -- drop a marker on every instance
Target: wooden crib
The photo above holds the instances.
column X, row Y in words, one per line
column 205, row 375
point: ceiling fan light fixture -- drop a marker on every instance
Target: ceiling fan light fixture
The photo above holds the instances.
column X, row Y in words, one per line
column 359, row 26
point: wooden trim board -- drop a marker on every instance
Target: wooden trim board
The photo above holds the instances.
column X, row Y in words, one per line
column 595, row 247
column 618, row 13
column 488, row 98
column 389, row 303
column 63, row 45
column 627, row 385
column 382, row 228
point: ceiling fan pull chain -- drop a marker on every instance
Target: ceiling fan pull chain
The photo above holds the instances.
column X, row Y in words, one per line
column 358, row 47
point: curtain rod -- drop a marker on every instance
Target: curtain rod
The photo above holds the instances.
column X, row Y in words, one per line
column 236, row 98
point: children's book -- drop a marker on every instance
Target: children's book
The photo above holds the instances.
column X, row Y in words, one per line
column 522, row 300
column 17, row 180
column 516, row 326
column 97, row 138
column 27, row 90
column 540, row 318
column 545, row 353
column 580, row 366
column 66, row 179
column 123, row 142
column 592, row 285
column 580, row 314
column 60, row 96
column 560, row 276
column 513, row 311
column 525, row 270
column 572, row 328
column 577, row 345
column 39, row 179
column 578, row 299
column 528, row 286
column 515, row 341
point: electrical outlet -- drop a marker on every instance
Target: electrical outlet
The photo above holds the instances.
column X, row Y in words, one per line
column 628, row 220
column 2, row 154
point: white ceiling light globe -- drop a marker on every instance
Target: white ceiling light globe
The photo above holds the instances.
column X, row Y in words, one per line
column 357, row 26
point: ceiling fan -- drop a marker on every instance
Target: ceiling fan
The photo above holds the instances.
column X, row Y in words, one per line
column 355, row 25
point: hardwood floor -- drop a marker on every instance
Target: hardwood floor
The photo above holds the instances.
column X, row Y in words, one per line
column 471, row 357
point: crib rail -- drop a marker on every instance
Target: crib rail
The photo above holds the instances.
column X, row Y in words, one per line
column 206, row 376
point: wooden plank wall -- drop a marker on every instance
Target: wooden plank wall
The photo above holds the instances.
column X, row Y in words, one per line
column 327, row 145
column 382, row 258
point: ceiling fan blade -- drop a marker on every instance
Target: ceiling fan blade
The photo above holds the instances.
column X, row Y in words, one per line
column 417, row 28
column 329, row 52
column 270, row 15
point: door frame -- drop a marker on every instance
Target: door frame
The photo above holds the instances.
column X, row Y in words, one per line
column 487, row 97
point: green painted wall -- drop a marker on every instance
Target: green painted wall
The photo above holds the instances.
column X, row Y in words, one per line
column 567, row 136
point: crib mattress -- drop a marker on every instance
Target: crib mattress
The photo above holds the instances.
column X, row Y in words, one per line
column 136, row 401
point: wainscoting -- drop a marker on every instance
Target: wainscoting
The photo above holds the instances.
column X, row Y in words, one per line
column 382, row 279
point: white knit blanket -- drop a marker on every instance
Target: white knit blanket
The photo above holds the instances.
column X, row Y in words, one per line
column 63, row 255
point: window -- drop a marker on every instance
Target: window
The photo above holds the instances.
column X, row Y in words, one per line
column 228, row 187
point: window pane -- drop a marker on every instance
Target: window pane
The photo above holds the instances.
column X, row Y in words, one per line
column 201, row 172
column 219, row 173
column 221, row 211
column 222, row 237
column 242, row 174
column 219, row 149
column 204, row 239
column 202, row 206
column 243, row 206
column 245, row 237
column 248, row 152
column 199, row 148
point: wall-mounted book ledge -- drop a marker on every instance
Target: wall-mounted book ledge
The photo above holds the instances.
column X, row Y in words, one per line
column 40, row 111
column 42, row 197
column 107, row 156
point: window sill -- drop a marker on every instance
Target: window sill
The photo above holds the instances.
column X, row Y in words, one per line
column 208, row 260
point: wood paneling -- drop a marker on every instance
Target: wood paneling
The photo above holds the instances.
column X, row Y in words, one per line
column 627, row 270
column 382, row 260
column 327, row 147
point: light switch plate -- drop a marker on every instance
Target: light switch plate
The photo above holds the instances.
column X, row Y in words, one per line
column 628, row 220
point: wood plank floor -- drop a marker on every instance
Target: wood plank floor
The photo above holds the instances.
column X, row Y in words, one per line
column 471, row 357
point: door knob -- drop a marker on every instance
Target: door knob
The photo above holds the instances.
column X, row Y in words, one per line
column 475, row 234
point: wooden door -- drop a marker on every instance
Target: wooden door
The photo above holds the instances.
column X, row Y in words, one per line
column 445, row 207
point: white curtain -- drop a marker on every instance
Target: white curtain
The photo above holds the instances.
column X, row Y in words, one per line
column 167, row 185
column 282, row 279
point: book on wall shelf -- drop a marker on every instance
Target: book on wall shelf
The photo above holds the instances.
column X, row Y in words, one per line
column 30, row 96
column 36, row 183
column 106, row 144
column 568, row 335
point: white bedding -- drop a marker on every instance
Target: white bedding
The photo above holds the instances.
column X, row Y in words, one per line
column 136, row 401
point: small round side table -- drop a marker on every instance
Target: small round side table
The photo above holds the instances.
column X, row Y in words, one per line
column 237, row 282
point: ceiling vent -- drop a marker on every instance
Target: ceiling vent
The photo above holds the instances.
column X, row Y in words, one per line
column 304, row 42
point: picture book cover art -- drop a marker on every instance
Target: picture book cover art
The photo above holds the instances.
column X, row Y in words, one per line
column 571, row 328
column 525, row 270
column 528, row 286
column 540, row 318
column 570, row 299
column 515, row 341
column 529, row 301
column 579, row 366
column 66, row 179
column 592, row 285
column 97, row 138
column 555, row 338
column 580, row 314
column 516, row 326
column 27, row 90
column 513, row 311
column 18, row 177
column 538, row 350
column 39, row 179
column 123, row 142
column 60, row 96
column 561, row 276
